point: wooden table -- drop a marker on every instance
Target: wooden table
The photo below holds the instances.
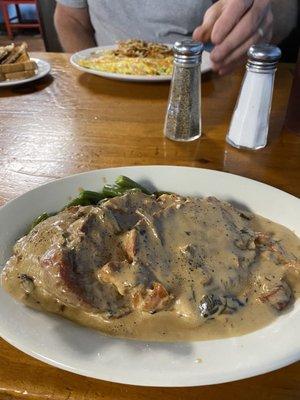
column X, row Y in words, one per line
column 72, row 122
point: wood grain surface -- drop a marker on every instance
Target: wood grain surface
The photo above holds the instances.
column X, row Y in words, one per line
column 71, row 122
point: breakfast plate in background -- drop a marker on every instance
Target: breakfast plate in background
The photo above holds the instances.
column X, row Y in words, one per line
column 43, row 69
column 17, row 67
column 87, row 352
column 86, row 54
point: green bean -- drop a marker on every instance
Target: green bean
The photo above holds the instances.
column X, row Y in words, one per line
column 93, row 197
column 127, row 183
column 123, row 185
column 85, row 198
column 78, row 201
column 39, row 219
column 112, row 191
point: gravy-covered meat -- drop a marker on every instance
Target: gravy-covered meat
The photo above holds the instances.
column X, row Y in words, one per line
column 166, row 268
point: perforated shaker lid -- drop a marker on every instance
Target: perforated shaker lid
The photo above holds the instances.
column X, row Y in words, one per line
column 263, row 55
column 188, row 51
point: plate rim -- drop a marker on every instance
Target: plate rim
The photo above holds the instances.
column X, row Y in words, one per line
column 226, row 378
column 143, row 166
column 288, row 359
column 37, row 76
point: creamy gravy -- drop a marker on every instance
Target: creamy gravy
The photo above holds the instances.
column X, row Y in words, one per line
column 167, row 270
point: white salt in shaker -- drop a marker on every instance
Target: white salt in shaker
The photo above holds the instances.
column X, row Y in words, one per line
column 250, row 121
column 183, row 118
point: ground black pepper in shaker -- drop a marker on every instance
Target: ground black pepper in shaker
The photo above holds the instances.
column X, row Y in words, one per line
column 183, row 118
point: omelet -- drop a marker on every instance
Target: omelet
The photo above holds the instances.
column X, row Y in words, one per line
column 132, row 57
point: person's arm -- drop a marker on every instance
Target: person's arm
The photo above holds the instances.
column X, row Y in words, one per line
column 74, row 28
column 234, row 25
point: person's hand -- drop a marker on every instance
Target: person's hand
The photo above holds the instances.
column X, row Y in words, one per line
column 233, row 26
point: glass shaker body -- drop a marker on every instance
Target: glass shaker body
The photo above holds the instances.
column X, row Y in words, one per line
column 250, row 121
column 183, row 117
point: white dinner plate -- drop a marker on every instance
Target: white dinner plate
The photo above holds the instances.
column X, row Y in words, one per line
column 84, row 351
column 43, row 69
column 205, row 66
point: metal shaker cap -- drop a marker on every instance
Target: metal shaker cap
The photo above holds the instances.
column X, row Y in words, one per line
column 188, row 52
column 263, row 56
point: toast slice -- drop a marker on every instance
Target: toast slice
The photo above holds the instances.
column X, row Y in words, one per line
column 23, row 57
column 19, row 66
column 15, row 62
column 5, row 51
column 15, row 54
column 20, row 75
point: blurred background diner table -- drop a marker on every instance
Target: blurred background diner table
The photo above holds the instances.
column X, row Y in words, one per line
column 70, row 122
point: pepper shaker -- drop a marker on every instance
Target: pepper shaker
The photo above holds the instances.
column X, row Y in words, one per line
column 250, row 121
column 183, row 118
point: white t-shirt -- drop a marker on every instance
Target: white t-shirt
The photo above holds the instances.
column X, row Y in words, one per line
column 152, row 20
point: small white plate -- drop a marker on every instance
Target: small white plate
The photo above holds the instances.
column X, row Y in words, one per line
column 84, row 351
column 43, row 69
column 205, row 66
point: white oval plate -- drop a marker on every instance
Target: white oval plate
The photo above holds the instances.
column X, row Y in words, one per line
column 43, row 69
column 84, row 351
column 206, row 65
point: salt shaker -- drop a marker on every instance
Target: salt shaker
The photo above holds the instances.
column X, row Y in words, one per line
column 250, row 121
column 183, row 118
